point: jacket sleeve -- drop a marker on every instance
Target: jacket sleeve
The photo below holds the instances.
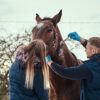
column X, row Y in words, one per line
column 39, row 86
column 74, row 73
column 85, row 43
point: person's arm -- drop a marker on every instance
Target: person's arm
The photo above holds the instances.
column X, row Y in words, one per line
column 75, row 36
column 74, row 73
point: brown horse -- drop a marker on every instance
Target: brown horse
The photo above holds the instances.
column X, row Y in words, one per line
column 47, row 30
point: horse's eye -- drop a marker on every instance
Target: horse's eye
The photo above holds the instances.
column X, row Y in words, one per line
column 49, row 30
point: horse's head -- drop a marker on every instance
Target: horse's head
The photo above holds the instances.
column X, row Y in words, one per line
column 47, row 30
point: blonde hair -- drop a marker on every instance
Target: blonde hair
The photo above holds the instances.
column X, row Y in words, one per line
column 36, row 48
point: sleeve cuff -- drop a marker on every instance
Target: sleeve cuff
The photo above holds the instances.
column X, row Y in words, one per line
column 85, row 43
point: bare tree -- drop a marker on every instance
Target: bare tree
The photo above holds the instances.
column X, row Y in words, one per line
column 8, row 46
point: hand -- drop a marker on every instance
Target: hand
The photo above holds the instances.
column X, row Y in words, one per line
column 74, row 36
column 48, row 58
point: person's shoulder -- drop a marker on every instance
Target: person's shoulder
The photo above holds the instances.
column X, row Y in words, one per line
column 87, row 63
column 17, row 64
column 90, row 64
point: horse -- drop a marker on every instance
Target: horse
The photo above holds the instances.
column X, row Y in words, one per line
column 48, row 31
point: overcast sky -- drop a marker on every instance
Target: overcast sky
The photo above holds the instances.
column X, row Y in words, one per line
column 17, row 15
column 23, row 13
column 25, row 10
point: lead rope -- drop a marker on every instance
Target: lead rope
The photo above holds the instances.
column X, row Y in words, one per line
column 61, row 42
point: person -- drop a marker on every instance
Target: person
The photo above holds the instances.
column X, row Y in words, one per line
column 88, row 72
column 28, row 75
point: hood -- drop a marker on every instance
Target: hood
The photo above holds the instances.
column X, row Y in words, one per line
column 20, row 55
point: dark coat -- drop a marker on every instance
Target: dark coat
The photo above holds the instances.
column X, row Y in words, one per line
column 88, row 73
column 17, row 88
column 90, row 90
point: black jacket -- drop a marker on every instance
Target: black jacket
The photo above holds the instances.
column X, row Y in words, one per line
column 17, row 88
column 88, row 73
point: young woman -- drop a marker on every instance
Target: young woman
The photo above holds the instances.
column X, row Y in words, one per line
column 28, row 75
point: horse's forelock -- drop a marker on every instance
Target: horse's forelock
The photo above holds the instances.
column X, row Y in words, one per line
column 50, row 19
column 40, row 25
column 46, row 18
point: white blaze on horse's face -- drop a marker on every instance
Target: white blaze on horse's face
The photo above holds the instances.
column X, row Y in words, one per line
column 40, row 25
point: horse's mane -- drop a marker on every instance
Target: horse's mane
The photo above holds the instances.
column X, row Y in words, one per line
column 46, row 18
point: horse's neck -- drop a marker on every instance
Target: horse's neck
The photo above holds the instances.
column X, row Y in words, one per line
column 64, row 57
column 70, row 59
column 58, row 32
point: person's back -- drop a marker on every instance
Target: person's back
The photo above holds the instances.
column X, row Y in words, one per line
column 18, row 87
column 91, row 89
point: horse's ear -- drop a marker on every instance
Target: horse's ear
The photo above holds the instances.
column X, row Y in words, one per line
column 38, row 19
column 57, row 17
